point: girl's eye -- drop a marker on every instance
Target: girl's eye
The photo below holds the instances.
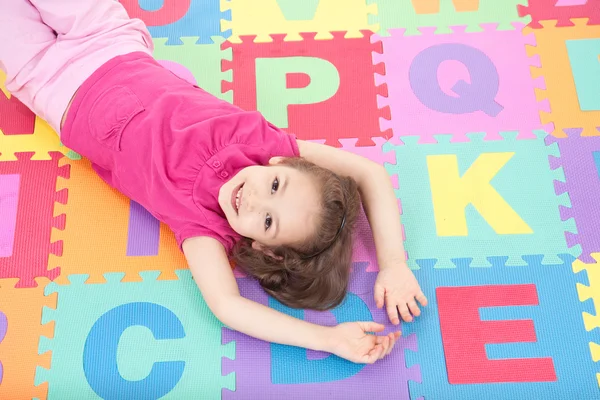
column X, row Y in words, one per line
column 275, row 186
column 268, row 222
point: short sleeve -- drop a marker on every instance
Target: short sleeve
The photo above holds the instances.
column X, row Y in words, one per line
column 251, row 128
column 194, row 230
column 286, row 144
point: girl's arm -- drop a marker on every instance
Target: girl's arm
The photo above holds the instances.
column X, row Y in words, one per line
column 397, row 286
column 212, row 273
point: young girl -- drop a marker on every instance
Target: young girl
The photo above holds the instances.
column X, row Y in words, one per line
column 227, row 182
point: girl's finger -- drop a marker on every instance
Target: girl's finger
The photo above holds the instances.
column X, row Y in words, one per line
column 405, row 313
column 387, row 348
column 392, row 344
column 386, row 345
column 374, row 354
column 422, row 299
column 392, row 312
column 388, row 342
column 370, row 326
column 414, row 309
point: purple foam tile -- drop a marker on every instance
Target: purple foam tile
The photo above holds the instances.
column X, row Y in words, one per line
column 388, row 378
column 361, row 281
column 579, row 159
column 144, row 232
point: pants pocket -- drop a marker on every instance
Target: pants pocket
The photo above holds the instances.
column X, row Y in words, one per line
column 110, row 114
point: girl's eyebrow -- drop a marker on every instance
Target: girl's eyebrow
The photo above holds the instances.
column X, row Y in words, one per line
column 276, row 228
column 284, row 186
column 281, row 191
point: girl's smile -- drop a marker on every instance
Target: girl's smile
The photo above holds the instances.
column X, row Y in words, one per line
column 236, row 198
column 274, row 205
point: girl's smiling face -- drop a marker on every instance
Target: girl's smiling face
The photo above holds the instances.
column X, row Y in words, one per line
column 273, row 205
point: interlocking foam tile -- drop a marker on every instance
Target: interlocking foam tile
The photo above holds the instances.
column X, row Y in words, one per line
column 143, row 339
column 33, row 186
column 20, row 329
column 459, row 83
column 109, row 233
column 322, row 78
column 580, row 162
column 443, row 14
column 9, row 197
column 175, row 19
column 502, row 332
column 590, row 290
column 480, row 198
column 265, row 17
column 561, row 11
column 273, row 371
column 203, row 61
column 565, row 52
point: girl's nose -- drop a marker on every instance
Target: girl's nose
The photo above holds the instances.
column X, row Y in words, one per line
column 255, row 201
column 251, row 201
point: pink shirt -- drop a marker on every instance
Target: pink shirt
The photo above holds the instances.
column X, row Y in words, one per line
column 168, row 144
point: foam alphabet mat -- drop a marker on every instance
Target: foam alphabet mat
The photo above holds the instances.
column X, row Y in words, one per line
column 485, row 114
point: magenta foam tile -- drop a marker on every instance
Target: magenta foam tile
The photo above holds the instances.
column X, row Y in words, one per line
column 273, row 371
column 32, row 243
column 9, row 200
column 580, row 162
column 459, row 83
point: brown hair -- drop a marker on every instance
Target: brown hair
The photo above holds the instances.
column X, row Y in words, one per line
column 299, row 279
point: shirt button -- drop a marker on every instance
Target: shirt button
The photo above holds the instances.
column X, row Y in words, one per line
column 224, row 174
column 216, row 163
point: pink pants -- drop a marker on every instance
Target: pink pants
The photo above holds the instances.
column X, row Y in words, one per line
column 48, row 48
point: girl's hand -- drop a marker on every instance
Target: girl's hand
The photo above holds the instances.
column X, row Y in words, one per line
column 397, row 285
column 351, row 341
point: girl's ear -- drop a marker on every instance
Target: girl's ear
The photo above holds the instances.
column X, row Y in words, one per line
column 267, row 251
column 275, row 160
